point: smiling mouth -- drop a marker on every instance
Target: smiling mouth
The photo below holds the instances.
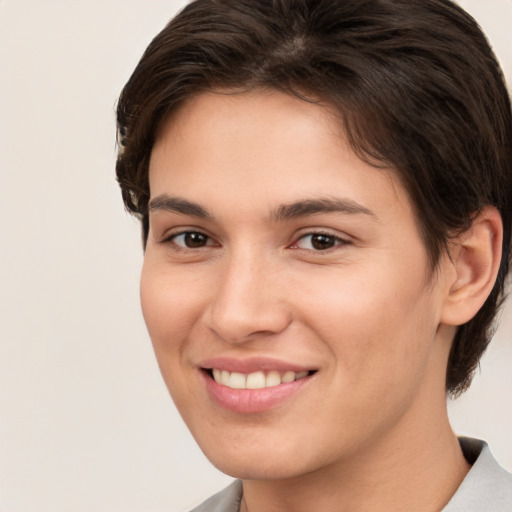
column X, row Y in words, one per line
column 255, row 380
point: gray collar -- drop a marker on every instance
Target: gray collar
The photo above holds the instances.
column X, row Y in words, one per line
column 487, row 486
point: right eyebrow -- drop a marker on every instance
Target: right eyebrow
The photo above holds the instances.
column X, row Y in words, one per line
column 168, row 203
column 308, row 207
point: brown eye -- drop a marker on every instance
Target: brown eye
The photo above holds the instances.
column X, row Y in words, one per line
column 191, row 240
column 319, row 242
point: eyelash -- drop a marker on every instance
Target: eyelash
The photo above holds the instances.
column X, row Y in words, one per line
column 172, row 240
column 335, row 240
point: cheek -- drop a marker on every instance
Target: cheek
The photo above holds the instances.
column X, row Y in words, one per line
column 169, row 309
column 380, row 353
column 377, row 326
column 167, row 306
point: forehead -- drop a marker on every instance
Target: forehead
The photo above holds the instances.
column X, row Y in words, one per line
column 263, row 147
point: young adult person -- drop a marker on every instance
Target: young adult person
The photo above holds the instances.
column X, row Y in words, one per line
column 325, row 194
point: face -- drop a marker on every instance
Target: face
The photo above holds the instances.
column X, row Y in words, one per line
column 286, row 289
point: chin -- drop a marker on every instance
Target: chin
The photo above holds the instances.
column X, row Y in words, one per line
column 251, row 468
column 253, row 460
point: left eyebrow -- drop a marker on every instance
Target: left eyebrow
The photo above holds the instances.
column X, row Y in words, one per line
column 323, row 205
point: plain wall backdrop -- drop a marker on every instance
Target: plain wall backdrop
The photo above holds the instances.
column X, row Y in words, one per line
column 86, row 423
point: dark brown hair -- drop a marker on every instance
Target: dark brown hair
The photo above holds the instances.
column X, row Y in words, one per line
column 414, row 82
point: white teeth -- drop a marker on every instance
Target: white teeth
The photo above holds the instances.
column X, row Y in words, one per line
column 288, row 377
column 255, row 380
column 273, row 379
column 237, row 381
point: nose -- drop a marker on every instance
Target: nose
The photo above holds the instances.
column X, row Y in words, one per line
column 249, row 301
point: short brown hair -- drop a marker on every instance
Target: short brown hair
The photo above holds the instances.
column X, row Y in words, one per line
column 415, row 83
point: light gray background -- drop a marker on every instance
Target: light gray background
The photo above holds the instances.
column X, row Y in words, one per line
column 85, row 421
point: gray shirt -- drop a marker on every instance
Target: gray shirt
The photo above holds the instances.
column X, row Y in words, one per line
column 486, row 488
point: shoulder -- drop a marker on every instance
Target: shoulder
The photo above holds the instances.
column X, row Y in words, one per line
column 227, row 500
column 487, row 486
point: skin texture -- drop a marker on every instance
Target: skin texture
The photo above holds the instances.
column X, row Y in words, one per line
column 366, row 314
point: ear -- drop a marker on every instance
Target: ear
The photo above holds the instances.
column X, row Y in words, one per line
column 475, row 258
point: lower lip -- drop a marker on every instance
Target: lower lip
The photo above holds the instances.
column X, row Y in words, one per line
column 250, row 401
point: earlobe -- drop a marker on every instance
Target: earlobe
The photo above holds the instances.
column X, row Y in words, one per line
column 475, row 258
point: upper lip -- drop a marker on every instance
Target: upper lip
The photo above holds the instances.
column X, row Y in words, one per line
column 252, row 364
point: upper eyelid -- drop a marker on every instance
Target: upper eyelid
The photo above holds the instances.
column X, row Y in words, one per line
column 341, row 242
column 168, row 240
column 174, row 232
column 210, row 242
column 337, row 238
column 327, row 232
